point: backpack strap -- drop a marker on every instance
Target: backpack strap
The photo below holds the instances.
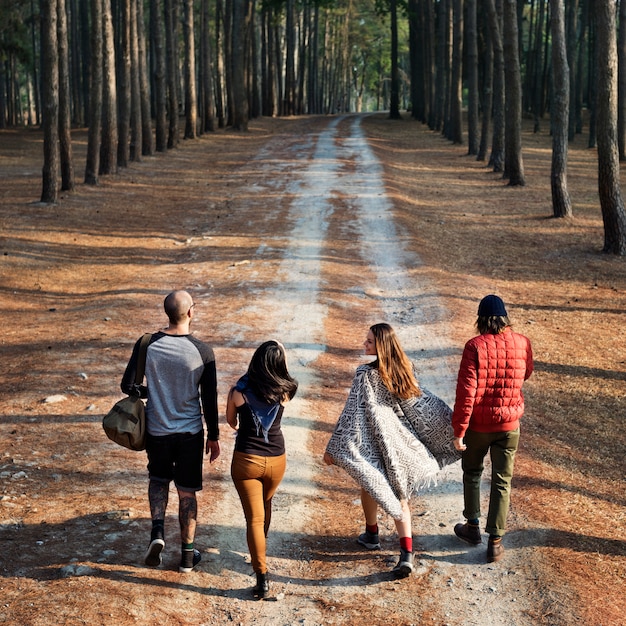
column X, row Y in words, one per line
column 141, row 362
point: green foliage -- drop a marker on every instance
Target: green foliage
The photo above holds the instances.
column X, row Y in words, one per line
column 15, row 40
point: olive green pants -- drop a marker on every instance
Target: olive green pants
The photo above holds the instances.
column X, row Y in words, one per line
column 502, row 448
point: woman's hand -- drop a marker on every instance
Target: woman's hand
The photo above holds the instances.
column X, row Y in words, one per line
column 328, row 459
column 458, row 444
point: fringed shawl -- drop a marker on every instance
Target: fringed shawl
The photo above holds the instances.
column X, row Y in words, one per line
column 391, row 448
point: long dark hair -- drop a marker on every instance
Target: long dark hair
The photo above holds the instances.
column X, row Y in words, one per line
column 394, row 366
column 268, row 376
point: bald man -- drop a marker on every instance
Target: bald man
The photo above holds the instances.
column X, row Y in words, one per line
column 181, row 388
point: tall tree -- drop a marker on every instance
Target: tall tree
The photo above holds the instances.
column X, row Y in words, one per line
column 159, row 78
column 136, row 126
column 621, row 82
column 496, row 158
column 611, row 202
column 394, row 96
column 513, row 163
column 65, row 100
column 50, row 101
column 147, row 144
column 561, row 202
column 123, row 83
column 240, row 99
column 471, row 46
column 92, row 166
column 171, row 48
column 191, row 110
column 108, row 147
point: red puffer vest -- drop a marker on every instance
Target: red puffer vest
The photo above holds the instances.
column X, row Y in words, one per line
column 489, row 395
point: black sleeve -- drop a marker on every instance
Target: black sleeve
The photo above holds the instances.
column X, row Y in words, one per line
column 128, row 380
column 208, row 390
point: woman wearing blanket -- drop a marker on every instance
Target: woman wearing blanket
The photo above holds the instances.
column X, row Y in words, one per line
column 392, row 437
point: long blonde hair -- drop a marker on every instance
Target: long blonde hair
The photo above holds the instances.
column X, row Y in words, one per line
column 394, row 366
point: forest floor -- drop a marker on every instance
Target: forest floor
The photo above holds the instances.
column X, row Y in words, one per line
column 306, row 230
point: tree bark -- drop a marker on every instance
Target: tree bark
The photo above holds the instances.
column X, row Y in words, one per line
column 147, row 145
column 136, row 127
column 160, row 91
column 611, row 202
column 123, row 85
column 171, row 47
column 50, row 101
column 621, row 81
column 471, row 46
column 65, row 99
column 108, row 147
column 92, row 166
column 191, row 109
column 513, row 164
column 394, row 95
column 561, row 202
column 240, row 99
column 496, row 159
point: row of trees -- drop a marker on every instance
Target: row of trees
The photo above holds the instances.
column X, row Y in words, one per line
column 133, row 71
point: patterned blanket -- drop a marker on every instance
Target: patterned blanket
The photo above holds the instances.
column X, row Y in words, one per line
column 391, row 448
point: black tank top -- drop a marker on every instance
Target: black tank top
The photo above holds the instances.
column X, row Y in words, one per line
column 250, row 438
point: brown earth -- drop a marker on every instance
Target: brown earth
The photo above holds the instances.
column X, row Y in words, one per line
column 83, row 279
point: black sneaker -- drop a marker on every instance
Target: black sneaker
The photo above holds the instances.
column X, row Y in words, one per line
column 189, row 559
column 369, row 540
column 153, row 555
column 404, row 566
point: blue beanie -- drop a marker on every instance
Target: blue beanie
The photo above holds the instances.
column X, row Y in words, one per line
column 491, row 306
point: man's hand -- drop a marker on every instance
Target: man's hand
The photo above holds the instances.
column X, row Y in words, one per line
column 328, row 459
column 458, row 444
column 213, row 449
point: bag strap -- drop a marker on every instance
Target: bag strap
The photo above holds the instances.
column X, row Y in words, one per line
column 141, row 362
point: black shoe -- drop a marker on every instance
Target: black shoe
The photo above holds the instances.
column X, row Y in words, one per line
column 262, row 588
column 369, row 540
column 470, row 533
column 153, row 555
column 404, row 566
column 189, row 559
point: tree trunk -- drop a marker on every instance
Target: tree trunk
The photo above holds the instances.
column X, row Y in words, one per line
column 123, row 85
column 471, row 44
column 147, row 145
column 621, row 81
column 496, row 159
column 65, row 115
column 50, row 101
column 171, row 47
column 92, row 166
column 513, row 164
column 487, row 90
column 108, row 147
column 572, row 42
column 240, row 98
column 191, row 109
column 160, row 91
column 394, row 95
column 136, row 127
column 561, row 202
column 613, row 213
column 208, row 101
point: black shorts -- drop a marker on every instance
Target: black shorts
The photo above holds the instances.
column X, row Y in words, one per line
column 177, row 457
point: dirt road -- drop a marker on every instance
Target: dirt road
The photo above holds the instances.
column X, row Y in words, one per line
column 298, row 242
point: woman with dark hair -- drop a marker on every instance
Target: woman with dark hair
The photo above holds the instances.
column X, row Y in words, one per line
column 489, row 405
column 392, row 438
column 254, row 409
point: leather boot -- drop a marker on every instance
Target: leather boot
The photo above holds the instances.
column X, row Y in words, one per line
column 262, row 587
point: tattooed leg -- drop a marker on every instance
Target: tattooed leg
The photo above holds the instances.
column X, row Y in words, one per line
column 187, row 515
column 158, row 493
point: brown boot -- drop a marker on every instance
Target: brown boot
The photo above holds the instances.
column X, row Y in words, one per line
column 495, row 549
column 469, row 533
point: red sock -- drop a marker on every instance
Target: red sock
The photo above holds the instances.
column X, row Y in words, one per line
column 406, row 544
column 372, row 528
